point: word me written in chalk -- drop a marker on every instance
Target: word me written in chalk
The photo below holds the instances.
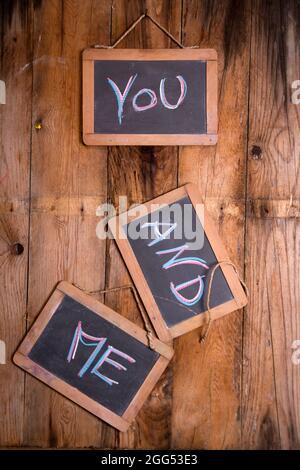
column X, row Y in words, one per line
column 97, row 343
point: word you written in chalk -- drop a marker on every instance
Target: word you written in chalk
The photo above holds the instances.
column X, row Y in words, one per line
column 122, row 96
column 149, row 97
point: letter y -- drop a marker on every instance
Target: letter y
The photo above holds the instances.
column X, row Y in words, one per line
column 121, row 97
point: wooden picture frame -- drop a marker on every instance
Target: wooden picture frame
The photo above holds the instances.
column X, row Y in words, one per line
column 163, row 332
column 207, row 55
column 21, row 357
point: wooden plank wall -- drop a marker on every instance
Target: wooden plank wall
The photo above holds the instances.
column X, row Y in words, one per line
column 243, row 389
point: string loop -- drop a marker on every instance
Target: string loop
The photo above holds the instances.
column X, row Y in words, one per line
column 134, row 24
column 149, row 333
column 209, row 288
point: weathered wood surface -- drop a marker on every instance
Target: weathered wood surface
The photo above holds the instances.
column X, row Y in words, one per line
column 271, row 392
column 240, row 389
column 15, row 129
column 68, row 182
column 220, row 173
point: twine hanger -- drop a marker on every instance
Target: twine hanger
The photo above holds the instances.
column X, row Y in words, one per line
column 144, row 315
column 208, row 297
column 149, row 332
column 134, row 24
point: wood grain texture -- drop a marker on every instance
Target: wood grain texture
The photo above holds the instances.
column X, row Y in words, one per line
column 212, row 399
column 63, row 243
column 270, row 379
column 15, row 125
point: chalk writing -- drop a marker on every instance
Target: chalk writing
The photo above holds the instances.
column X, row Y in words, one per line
column 178, row 260
column 187, row 260
column 183, row 90
column 121, row 97
column 189, row 302
column 157, row 233
column 97, row 342
column 152, row 103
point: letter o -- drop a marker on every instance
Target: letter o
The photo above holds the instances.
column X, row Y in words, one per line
column 183, row 90
column 152, row 103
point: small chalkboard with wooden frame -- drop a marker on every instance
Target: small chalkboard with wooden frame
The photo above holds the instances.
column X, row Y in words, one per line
column 93, row 356
column 171, row 246
column 150, row 97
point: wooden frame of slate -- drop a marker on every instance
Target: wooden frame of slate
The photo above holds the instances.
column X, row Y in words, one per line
column 149, row 281
column 195, row 121
column 46, row 327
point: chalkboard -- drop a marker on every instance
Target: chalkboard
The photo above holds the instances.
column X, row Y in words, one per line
column 97, row 355
column 171, row 252
column 52, row 348
column 160, row 279
column 149, row 97
column 189, row 116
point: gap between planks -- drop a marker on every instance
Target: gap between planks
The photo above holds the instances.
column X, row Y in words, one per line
column 255, row 208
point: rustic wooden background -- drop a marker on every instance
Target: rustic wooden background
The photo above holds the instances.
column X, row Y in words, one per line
column 241, row 389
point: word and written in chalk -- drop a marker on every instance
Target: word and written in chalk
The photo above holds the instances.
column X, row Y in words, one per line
column 121, row 97
column 178, row 260
column 97, row 343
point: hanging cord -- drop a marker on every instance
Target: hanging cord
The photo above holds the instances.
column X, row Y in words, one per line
column 159, row 26
column 211, row 277
column 149, row 332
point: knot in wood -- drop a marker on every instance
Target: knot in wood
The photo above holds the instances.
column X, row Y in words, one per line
column 256, row 152
column 17, row 249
